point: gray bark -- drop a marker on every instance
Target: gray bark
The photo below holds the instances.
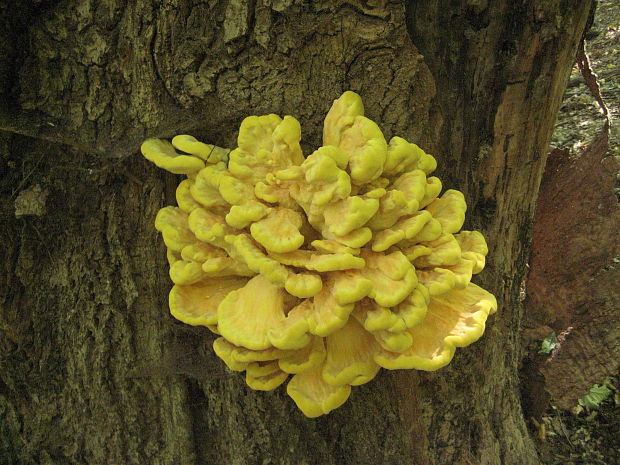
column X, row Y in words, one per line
column 92, row 367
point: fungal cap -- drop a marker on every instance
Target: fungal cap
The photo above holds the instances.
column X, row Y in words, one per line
column 303, row 285
column 306, row 359
column 224, row 350
column 392, row 275
column 279, row 231
column 186, row 272
column 341, row 116
column 185, row 201
column 401, row 156
column 240, row 216
column 162, row 153
column 349, row 214
column 197, row 304
column 266, row 382
column 394, row 342
column 474, row 248
column 367, row 150
column 314, row 396
column 207, row 152
column 248, row 251
column 172, row 223
column 322, row 262
column 449, row 210
column 443, row 251
column 266, row 144
column 327, row 314
column 350, row 352
column 455, row 319
column 247, row 316
column 438, row 281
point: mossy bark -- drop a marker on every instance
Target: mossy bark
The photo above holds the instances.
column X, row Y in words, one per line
column 92, row 367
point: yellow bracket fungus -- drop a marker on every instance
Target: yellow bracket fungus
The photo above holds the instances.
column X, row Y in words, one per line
column 326, row 268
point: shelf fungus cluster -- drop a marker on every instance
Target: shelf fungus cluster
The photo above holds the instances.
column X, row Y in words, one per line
column 323, row 269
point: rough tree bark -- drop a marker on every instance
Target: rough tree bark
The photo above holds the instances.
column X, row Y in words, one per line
column 93, row 369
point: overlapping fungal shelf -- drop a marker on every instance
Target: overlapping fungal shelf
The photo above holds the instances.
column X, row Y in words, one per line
column 320, row 270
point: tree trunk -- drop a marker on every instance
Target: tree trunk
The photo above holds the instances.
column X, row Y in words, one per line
column 92, row 367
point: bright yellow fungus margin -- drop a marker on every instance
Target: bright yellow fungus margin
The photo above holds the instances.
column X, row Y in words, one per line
column 325, row 268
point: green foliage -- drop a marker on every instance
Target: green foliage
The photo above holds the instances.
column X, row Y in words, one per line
column 548, row 344
column 597, row 394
